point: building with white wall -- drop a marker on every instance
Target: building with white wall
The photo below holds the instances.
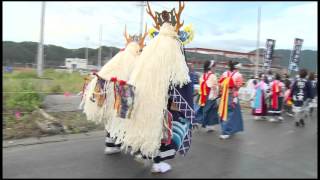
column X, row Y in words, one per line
column 76, row 63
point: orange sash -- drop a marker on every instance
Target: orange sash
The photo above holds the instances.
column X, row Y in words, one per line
column 226, row 83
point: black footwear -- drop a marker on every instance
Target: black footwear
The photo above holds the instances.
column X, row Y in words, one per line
column 302, row 122
column 297, row 124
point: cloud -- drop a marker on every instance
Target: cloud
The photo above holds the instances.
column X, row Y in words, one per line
column 220, row 25
column 296, row 21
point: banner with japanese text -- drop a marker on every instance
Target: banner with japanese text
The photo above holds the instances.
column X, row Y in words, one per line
column 268, row 53
column 295, row 55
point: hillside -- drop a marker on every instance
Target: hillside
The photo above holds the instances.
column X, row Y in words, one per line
column 25, row 52
column 308, row 59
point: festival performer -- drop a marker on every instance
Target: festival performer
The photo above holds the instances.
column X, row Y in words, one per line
column 269, row 77
column 254, row 82
column 287, row 106
column 276, row 99
column 161, row 73
column 314, row 92
column 259, row 110
column 100, row 98
column 229, row 108
column 301, row 96
column 193, row 74
column 207, row 114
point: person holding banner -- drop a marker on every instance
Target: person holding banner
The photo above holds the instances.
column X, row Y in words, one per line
column 229, row 108
column 314, row 92
column 276, row 98
column 301, row 96
column 269, row 77
column 207, row 114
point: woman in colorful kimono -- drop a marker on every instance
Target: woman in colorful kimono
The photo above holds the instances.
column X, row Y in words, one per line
column 229, row 108
column 99, row 98
column 277, row 89
column 207, row 114
column 158, row 75
column 259, row 110
column 301, row 96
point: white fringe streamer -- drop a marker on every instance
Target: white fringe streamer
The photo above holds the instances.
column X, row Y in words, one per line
column 120, row 66
column 160, row 63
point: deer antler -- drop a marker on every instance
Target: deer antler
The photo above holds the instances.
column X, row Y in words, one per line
column 143, row 37
column 179, row 25
column 149, row 11
column 126, row 35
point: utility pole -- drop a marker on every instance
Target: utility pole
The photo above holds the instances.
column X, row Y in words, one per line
column 40, row 46
column 99, row 55
column 258, row 42
column 86, row 52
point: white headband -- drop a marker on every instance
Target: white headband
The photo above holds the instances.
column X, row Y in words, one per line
column 239, row 65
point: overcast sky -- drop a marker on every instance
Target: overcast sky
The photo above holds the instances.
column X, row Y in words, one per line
column 218, row 25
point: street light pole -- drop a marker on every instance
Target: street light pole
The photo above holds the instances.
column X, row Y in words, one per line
column 99, row 55
column 86, row 52
column 258, row 42
column 40, row 46
column 142, row 4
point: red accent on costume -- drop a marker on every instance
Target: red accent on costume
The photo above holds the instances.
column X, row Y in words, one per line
column 231, row 82
column 122, row 82
column 168, row 141
column 275, row 94
column 113, row 79
column 204, row 89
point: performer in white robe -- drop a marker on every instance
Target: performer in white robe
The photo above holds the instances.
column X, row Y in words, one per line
column 161, row 68
column 100, row 97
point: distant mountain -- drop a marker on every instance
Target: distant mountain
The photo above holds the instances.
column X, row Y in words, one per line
column 26, row 52
column 219, row 58
column 308, row 58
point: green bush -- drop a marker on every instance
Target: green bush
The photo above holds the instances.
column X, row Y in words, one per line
column 24, row 101
column 56, row 89
column 25, row 75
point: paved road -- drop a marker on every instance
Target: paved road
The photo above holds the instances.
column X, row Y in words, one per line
column 58, row 103
column 264, row 150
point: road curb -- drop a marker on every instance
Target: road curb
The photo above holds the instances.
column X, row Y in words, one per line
column 50, row 139
column 33, row 143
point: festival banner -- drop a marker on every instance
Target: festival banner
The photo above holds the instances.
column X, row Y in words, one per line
column 295, row 55
column 268, row 53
